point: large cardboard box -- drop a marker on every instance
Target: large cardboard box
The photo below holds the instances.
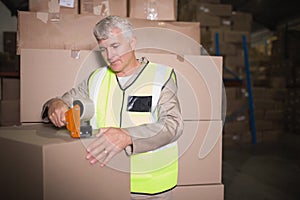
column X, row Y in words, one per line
column 46, row 163
column 104, row 7
column 200, row 151
column 241, row 21
column 49, row 73
column 153, row 10
column 223, row 10
column 9, row 112
column 54, row 6
column 10, row 89
column 196, row 192
column 236, row 36
column 38, row 31
column 208, row 20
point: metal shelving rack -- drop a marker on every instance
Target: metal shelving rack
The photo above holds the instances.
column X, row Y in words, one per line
column 237, row 81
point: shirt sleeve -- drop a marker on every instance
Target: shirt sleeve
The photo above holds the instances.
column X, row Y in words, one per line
column 167, row 129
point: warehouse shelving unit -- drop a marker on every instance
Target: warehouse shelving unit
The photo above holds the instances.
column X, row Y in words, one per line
column 237, row 81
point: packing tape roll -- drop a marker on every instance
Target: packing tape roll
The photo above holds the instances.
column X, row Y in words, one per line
column 86, row 108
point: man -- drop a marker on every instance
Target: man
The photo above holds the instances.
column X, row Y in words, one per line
column 136, row 110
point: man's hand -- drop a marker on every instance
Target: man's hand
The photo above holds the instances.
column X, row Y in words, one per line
column 56, row 112
column 109, row 142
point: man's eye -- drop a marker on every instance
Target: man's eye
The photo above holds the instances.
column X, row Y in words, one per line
column 115, row 46
column 102, row 49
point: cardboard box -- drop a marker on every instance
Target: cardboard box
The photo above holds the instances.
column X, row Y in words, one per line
column 10, row 42
column 50, row 73
column 236, row 36
column 200, row 151
column 37, row 31
column 10, row 89
column 241, row 21
column 45, row 163
column 199, row 80
column 208, row 20
column 190, row 29
column 153, row 10
column 104, row 7
column 236, row 61
column 62, row 172
column 196, row 192
column 9, row 112
column 222, row 10
column 54, row 6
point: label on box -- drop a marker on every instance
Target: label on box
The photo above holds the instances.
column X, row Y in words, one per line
column 102, row 9
column 67, row 3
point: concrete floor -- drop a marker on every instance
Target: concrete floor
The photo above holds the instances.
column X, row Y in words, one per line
column 265, row 171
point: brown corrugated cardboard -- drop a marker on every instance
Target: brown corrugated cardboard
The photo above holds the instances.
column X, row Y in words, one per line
column 199, row 80
column 196, row 192
column 234, row 61
column 153, row 9
column 49, row 73
column 200, row 149
column 45, row 163
column 215, row 9
column 54, row 6
column 236, row 36
column 36, row 30
column 104, row 7
column 62, row 172
column 241, row 21
column 191, row 29
column 10, row 89
column 208, row 20
column 9, row 112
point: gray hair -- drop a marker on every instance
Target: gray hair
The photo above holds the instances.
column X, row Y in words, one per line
column 103, row 28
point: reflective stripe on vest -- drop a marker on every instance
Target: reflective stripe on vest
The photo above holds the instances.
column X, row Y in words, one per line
column 153, row 171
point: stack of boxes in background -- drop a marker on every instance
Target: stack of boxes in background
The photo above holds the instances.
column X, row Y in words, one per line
column 284, row 73
column 9, row 81
column 10, row 101
column 9, row 61
column 269, row 65
column 221, row 26
column 57, row 50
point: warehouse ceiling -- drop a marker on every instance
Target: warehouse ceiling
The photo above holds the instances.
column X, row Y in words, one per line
column 266, row 13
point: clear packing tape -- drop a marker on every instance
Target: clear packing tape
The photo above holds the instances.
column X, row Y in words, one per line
column 86, row 108
column 152, row 10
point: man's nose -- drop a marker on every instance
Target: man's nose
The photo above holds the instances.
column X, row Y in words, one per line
column 111, row 52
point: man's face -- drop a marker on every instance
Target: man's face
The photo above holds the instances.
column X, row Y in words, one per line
column 118, row 52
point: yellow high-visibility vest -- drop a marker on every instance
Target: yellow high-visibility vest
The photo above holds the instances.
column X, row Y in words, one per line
column 150, row 172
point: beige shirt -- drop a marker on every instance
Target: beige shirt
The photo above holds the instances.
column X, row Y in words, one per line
column 167, row 129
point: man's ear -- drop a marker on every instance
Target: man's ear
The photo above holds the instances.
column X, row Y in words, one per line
column 133, row 43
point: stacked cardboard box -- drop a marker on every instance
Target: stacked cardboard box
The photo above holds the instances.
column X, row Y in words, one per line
column 230, row 26
column 9, row 60
column 153, row 9
column 237, row 126
column 54, row 6
column 53, row 48
column 222, row 31
column 286, row 74
column 10, row 102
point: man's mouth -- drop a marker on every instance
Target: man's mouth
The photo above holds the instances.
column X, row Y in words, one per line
column 114, row 62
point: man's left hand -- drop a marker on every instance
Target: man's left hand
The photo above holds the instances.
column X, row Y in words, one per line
column 109, row 142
